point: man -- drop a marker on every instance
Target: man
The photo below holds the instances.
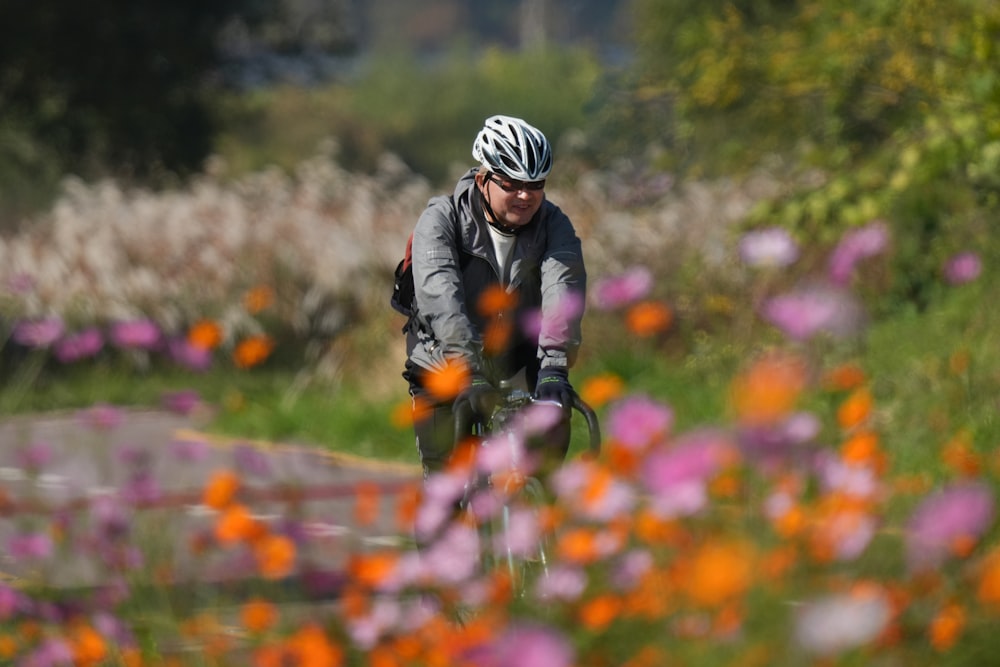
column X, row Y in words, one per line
column 499, row 284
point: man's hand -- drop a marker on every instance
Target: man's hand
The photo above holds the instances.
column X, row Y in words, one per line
column 481, row 396
column 553, row 385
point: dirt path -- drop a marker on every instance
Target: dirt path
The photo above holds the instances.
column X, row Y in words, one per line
column 156, row 465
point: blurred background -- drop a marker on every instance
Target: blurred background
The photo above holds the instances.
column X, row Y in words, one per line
column 162, row 159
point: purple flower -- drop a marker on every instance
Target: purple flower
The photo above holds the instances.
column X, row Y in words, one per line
column 637, row 421
column 623, row 289
column 809, row 311
column 82, row 345
column 38, row 333
column 856, row 245
column 962, row 268
column 251, row 460
column 554, row 319
column 182, row 402
column 189, row 451
column 192, row 357
column 768, row 445
column 139, row 334
column 945, row 519
column 11, row 602
column 772, row 247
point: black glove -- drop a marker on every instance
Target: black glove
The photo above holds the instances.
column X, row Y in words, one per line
column 553, row 385
column 481, row 396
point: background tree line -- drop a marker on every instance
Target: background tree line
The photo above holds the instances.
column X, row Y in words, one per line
column 893, row 102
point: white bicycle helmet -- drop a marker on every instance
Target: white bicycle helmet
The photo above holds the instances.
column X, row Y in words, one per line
column 511, row 147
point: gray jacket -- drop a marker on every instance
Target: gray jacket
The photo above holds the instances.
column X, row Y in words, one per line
column 453, row 264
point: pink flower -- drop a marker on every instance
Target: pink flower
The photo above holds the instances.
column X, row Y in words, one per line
column 182, row 402
column 772, row 247
column 637, row 421
column 561, row 582
column 140, row 334
column 35, row 456
column 101, row 417
column 553, row 319
column 952, row 515
column 82, row 345
column 623, row 289
column 856, row 245
column 810, row 311
column 30, row 546
column 192, row 357
column 530, row 646
column 38, row 333
column 678, row 475
column 962, row 268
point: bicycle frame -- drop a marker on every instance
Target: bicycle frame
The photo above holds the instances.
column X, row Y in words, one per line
column 520, row 489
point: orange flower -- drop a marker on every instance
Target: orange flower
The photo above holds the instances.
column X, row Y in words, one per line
column 8, row 647
column 602, row 389
column 221, row 489
column 366, row 503
column 598, row 612
column 844, row 377
column 374, row 568
column 205, row 334
column 258, row 615
column 649, row 318
column 237, row 524
column 496, row 300
column 257, row 299
column 862, row 449
column 275, row 555
column 447, row 382
column 407, row 503
column 856, row 409
column 946, row 626
column 959, row 455
column 311, row 647
column 578, row 545
column 89, row 647
column 769, row 389
column 988, row 589
column 717, row 572
column 252, row 351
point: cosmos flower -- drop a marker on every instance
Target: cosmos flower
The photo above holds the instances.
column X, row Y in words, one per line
column 193, row 357
column 140, row 334
column 837, row 623
column 528, row 645
column 182, row 402
column 809, row 311
column 945, row 520
column 38, row 333
column 677, row 475
column 82, row 345
column 101, row 417
column 962, row 268
column 638, row 421
column 773, row 247
column 623, row 289
column 856, row 245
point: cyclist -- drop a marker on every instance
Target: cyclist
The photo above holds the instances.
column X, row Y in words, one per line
column 497, row 231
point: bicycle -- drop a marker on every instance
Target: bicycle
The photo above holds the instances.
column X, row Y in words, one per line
column 496, row 502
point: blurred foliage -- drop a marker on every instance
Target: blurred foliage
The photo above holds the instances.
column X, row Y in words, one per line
column 427, row 116
column 895, row 102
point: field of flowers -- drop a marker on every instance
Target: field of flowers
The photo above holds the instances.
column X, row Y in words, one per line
column 792, row 529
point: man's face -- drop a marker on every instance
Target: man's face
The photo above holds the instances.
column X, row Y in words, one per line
column 514, row 202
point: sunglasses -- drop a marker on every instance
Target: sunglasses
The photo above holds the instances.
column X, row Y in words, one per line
column 517, row 186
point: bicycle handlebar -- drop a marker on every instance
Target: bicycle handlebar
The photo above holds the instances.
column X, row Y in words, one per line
column 465, row 417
